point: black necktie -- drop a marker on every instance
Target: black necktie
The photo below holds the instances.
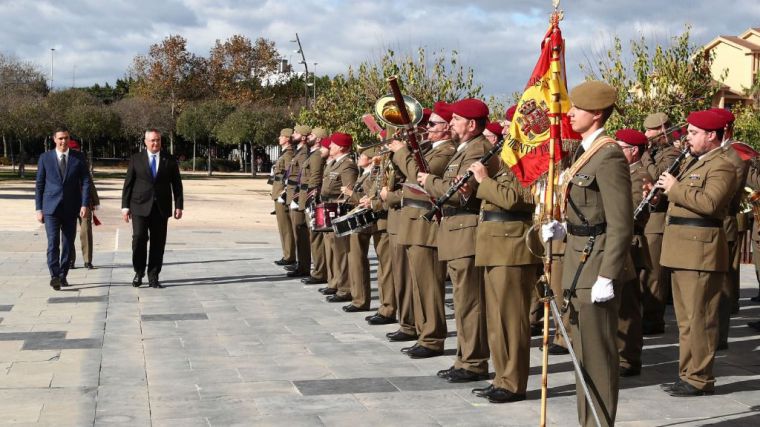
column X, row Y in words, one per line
column 579, row 152
column 62, row 165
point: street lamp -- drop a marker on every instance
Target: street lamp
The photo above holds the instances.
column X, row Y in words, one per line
column 305, row 66
column 52, row 58
column 315, row 82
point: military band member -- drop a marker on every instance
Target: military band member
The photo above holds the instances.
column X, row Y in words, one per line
column 297, row 215
column 753, row 183
column 419, row 237
column 311, row 182
column 340, row 171
column 280, row 174
column 600, row 222
column 694, row 248
column 456, row 241
column 629, row 338
column 656, row 160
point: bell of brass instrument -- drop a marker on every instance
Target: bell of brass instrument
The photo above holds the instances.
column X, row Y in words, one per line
column 388, row 111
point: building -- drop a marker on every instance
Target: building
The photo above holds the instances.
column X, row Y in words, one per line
column 739, row 56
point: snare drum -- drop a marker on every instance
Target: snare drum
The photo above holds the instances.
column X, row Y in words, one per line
column 354, row 221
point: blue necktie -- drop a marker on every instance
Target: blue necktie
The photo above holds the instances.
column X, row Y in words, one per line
column 153, row 165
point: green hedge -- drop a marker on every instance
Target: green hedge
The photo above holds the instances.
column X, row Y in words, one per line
column 217, row 165
column 5, row 161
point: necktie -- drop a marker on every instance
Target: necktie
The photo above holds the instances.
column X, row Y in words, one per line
column 153, row 165
column 62, row 165
column 579, row 152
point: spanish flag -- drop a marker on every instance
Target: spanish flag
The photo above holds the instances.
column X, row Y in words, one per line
column 527, row 151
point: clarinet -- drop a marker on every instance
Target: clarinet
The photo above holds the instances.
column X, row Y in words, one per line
column 655, row 191
column 438, row 205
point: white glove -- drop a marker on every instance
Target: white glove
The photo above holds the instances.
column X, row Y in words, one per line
column 602, row 290
column 553, row 230
column 293, row 205
column 280, row 200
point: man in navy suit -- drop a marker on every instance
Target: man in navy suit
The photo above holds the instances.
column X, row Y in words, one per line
column 152, row 179
column 62, row 193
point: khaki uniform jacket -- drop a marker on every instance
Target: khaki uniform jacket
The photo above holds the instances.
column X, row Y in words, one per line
column 639, row 246
column 704, row 188
column 457, row 234
column 753, row 182
column 730, row 224
column 503, row 242
column 296, row 176
column 414, row 230
column 340, row 173
column 311, row 177
column 377, row 204
column 364, row 186
column 597, row 190
column 280, row 169
column 393, row 199
column 662, row 160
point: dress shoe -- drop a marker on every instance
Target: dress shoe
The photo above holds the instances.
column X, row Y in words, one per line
column 401, row 336
column 629, row 371
column 557, row 350
column 722, row 346
column 338, row 298
column 482, row 391
column 502, row 395
column 328, row 291
column 72, row 265
column 311, row 280
column 669, row 386
column 137, row 280
column 283, row 261
column 421, row 352
column 379, row 319
column 89, row 266
column 291, row 267
column 297, row 274
column 462, row 375
column 536, row 330
column 350, row 308
column 754, row 325
column 64, row 283
column 55, row 283
column 407, row 349
column 444, row 373
column 154, row 283
column 684, row 389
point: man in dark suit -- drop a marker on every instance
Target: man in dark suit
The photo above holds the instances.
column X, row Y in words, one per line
column 62, row 193
column 152, row 179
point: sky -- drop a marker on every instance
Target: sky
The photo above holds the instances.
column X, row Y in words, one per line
column 96, row 40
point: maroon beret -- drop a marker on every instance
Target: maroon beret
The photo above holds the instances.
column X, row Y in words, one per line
column 631, row 137
column 325, row 142
column 510, row 113
column 727, row 115
column 442, row 110
column 706, row 120
column 74, row 144
column 495, row 128
column 426, row 112
column 342, row 139
column 470, row 108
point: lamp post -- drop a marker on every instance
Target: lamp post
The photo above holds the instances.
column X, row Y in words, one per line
column 305, row 66
column 314, row 81
column 52, row 58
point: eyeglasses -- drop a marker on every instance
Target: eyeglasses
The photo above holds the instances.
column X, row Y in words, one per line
column 431, row 124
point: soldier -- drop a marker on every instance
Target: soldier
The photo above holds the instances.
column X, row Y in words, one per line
column 753, row 183
column 629, row 339
column 600, row 224
column 311, row 182
column 456, row 241
column 419, row 238
column 279, row 176
column 694, row 248
column 297, row 214
column 510, row 274
column 85, row 224
column 656, row 160
column 340, row 171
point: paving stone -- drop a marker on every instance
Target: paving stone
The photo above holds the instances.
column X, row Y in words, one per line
column 58, row 344
column 173, row 317
column 345, row 386
column 23, row 336
column 6, row 307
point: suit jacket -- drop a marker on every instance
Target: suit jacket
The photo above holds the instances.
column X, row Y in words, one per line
column 704, row 190
column 72, row 191
column 141, row 192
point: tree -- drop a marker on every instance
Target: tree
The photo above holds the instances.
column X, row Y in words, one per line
column 191, row 124
column 140, row 114
column 238, row 128
column 674, row 79
column 19, row 82
column 235, row 67
column 92, row 123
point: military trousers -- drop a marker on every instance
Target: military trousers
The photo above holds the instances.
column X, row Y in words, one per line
column 358, row 269
column 381, row 241
column 285, row 229
column 319, row 265
column 756, row 260
column 729, row 292
column 508, row 292
column 556, row 285
column 303, row 244
column 85, row 238
column 469, row 302
column 429, row 295
column 594, row 328
column 696, row 296
column 402, row 285
column 655, row 291
column 336, row 257
column 629, row 334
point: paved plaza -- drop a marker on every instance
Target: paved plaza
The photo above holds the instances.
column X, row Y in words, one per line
column 232, row 341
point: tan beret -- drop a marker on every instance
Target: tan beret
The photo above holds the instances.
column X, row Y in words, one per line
column 656, row 120
column 369, row 152
column 302, row 129
column 319, row 132
column 593, row 95
column 286, row 132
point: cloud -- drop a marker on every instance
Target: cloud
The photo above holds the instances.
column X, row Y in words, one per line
column 498, row 39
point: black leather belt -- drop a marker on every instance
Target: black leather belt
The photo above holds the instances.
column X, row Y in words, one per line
column 270, row 180
column 586, row 230
column 291, row 182
column 695, row 222
column 304, row 187
column 277, row 178
column 505, row 216
column 381, row 214
column 413, row 203
column 457, row 211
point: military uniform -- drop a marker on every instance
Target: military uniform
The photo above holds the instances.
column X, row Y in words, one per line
column 381, row 242
column 358, row 261
column 311, row 182
column 420, row 239
column 340, row 172
column 753, row 182
column 85, row 224
column 297, row 215
column 510, row 274
column 694, row 247
column 280, row 175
